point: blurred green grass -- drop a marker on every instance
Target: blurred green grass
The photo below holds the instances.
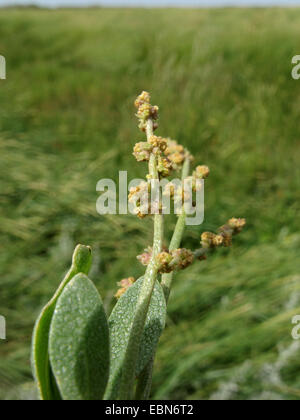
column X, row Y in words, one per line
column 223, row 81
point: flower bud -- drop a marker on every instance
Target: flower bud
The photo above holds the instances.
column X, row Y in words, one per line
column 182, row 258
column 164, row 166
column 124, row 286
column 137, row 193
column 236, row 225
column 176, row 154
column 176, row 158
column 143, row 98
column 158, row 142
column 120, row 292
column 154, row 112
column 233, row 227
column 211, row 240
column 127, row 282
column 164, row 260
column 146, row 256
column 201, row 172
column 140, row 197
column 145, row 112
column 142, row 151
column 179, row 259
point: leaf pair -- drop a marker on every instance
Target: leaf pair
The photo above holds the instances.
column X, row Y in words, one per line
column 77, row 354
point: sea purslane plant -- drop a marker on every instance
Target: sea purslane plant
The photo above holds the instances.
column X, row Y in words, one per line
column 78, row 353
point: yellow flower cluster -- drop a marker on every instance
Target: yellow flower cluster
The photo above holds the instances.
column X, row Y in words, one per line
column 143, row 98
column 140, row 196
column 164, row 260
column 211, row 240
column 176, row 154
column 225, row 233
column 237, row 225
column 164, row 156
column 201, row 172
column 142, row 151
column 182, row 258
column 233, row 227
column 169, row 261
column 183, row 193
column 159, row 144
column 146, row 256
column 169, row 154
column 146, row 111
column 176, row 260
column 164, row 166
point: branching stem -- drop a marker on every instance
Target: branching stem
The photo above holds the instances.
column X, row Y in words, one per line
column 177, row 236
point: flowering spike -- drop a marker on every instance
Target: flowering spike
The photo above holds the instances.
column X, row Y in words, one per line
column 146, row 111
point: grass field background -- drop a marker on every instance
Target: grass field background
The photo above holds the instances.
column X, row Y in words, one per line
column 223, row 81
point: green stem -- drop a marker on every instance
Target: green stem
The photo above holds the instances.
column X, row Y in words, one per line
column 167, row 279
column 201, row 252
column 145, row 379
column 134, row 343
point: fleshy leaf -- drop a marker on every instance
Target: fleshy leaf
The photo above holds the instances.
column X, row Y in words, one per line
column 79, row 342
column 120, row 323
column 82, row 259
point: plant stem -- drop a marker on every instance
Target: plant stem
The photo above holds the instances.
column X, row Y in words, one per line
column 134, row 343
column 201, row 252
column 145, row 380
column 158, row 218
column 167, row 279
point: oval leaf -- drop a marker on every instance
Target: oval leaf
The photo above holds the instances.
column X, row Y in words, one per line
column 48, row 390
column 79, row 342
column 120, row 323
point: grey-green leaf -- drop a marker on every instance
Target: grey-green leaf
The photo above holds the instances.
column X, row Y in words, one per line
column 120, row 323
column 81, row 263
column 79, row 342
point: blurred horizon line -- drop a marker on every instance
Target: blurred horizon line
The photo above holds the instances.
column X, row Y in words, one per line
column 99, row 6
column 146, row 4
